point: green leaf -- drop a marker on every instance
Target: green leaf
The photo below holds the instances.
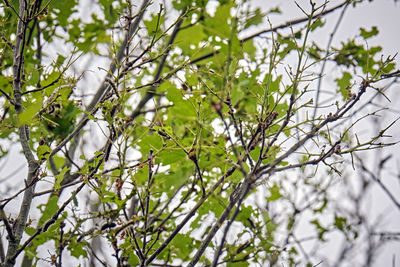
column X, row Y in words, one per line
column 316, row 24
column 63, row 10
column 237, row 92
column 177, row 175
column 77, row 249
column 154, row 25
column 173, row 94
column 270, row 224
column 254, row 19
column 276, row 10
column 60, row 60
column 249, row 48
column 6, row 84
column 321, row 230
column 290, row 223
column 27, row 115
column 190, row 36
column 30, row 231
column 183, row 245
column 368, row 34
column 34, row 77
column 49, row 209
column 50, row 82
column 59, row 161
column 323, row 206
column 344, row 84
column 275, row 193
column 218, row 25
column 340, row 222
column 60, row 178
column 245, row 216
column 150, row 142
column 62, row 122
column 170, row 156
column 388, row 68
column 237, row 264
column 110, row 14
column 133, row 260
column 43, row 152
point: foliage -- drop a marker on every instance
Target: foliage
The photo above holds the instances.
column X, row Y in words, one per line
column 191, row 124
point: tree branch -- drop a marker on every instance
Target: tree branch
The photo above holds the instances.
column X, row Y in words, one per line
column 236, row 197
column 104, row 86
column 33, row 165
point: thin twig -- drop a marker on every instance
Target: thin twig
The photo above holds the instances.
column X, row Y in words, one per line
column 328, row 46
column 379, row 182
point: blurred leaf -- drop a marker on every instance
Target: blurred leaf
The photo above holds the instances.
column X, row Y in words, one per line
column 344, row 84
column 218, row 25
column 63, row 10
column 340, row 222
column 154, row 25
column 60, row 178
column 316, row 24
column 30, row 231
column 27, row 115
column 255, row 18
column 321, row 230
column 274, row 193
column 43, row 152
column 48, row 209
column 323, row 206
column 77, row 249
column 190, row 36
column 368, row 34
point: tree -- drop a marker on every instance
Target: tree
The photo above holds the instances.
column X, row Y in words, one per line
column 206, row 141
